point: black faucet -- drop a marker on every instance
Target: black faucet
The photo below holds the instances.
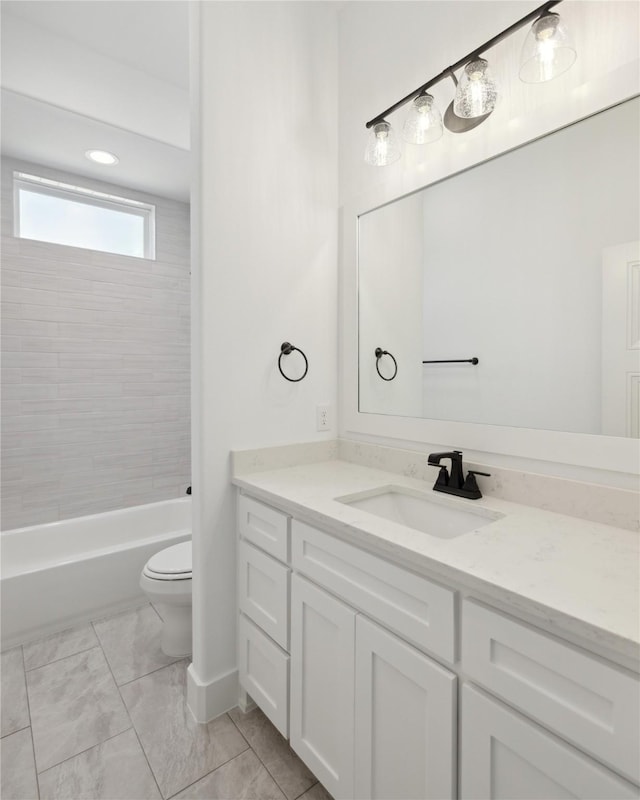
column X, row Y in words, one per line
column 455, row 483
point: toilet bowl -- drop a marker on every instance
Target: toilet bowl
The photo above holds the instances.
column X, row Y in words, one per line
column 166, row 580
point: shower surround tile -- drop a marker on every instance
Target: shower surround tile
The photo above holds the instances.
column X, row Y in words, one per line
column 74, row 705
column 113, row 770
column 60, row 645
column 73, row 321
column 18, row 772
column 131, row 643
column 14, row 710
column 243, row 778
column 180, row 751
column 273, row 750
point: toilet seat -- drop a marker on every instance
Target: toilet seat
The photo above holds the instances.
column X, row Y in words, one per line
column 171, row 564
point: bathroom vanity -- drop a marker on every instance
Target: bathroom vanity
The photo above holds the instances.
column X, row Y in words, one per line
column 493, row 657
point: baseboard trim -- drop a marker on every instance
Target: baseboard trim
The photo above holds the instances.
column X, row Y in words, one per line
column 208, row 700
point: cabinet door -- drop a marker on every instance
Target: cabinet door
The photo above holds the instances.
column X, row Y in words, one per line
column 506, row 757
column 322, row 683
column 404, row 720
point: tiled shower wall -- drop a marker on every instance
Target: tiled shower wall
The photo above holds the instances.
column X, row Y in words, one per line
column 95, row 369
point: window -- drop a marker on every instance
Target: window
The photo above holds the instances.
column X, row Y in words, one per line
column 50, row 211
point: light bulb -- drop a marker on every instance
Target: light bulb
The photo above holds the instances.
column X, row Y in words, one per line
column 477, row 93
column 547, row 51
column 382, row 145
column 424, row 123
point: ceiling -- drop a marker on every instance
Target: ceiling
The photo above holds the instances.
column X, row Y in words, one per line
column 99, row 74
column 149, row 35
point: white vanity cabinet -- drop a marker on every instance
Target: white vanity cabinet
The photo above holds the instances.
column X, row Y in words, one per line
column 359, row 661
column 322, row 685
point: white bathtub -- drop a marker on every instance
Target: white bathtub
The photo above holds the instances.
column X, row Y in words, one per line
column 57, row 575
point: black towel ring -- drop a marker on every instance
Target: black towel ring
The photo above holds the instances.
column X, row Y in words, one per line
column 379, row 353
column 285, row 349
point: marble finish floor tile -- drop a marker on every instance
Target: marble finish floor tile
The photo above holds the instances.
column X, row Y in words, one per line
column 317, row 792
column 273, row 750
column 74, row 705
column 18, row 770
column 131, row 643
column 113, row 770
column 180, row 750
column 60, row 645
column 14, row 711
column 243, row 778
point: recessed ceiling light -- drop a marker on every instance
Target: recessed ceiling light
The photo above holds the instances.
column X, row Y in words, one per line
column 102, row 157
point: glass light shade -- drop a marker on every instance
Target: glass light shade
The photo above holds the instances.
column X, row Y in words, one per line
column 424, row 123
column 547, row 51
column 477, row 93
column 382, row 145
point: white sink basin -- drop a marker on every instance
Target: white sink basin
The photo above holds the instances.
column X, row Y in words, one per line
column 420, row 511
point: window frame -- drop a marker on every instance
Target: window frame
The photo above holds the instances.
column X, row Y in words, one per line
column 90, row 197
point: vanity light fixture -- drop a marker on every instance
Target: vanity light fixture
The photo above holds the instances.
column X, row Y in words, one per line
column 424, row 123
column 102, row 157
column 547, row 53
column 476, row 93
column 382, row 145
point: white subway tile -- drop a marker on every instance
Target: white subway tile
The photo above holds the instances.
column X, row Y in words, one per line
column 13, row 310
column 98, row 390
column 15, row 294
column 59, row 375
column 10, row 408
column 30, row 360
column 90, row 361
column 11, row 344
column 28, row 327
column 63, row 406
column 121, row 460
column 176, row 482
column 30, row 391
column 13, row 375
column 39, row 344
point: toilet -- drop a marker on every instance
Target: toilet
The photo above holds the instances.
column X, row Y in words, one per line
column 166, row 580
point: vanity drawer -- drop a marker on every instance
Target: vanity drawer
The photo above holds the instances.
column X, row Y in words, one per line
column 418, row 610
column 264, row 673
column 263, row 592
column 264, row 526
column 590, row 703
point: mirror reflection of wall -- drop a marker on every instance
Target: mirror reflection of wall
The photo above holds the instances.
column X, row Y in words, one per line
column 512, row 273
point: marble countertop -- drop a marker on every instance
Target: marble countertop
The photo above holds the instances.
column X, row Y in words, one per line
column 575, row 578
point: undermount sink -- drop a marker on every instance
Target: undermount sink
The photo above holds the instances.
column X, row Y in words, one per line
column 419, row 511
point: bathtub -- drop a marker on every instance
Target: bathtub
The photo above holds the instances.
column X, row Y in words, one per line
column 63, row 573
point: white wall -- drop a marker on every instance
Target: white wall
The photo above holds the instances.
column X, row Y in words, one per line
column 386, row 50
column 95, row 368
column 267, row 273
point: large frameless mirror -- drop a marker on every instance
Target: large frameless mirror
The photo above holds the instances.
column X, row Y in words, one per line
column 509, row 294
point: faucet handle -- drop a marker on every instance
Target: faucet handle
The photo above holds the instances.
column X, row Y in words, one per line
column 471, row 485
